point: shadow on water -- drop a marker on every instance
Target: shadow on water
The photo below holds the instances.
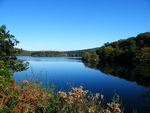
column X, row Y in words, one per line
column 134, row 73
column 131, row 72
column 145, row 96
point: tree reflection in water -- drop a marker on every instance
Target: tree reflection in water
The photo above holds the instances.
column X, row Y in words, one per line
column 131, row 72
column 145, row 96
column 139, row 73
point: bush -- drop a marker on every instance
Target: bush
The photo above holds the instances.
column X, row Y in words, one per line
column 36, row 98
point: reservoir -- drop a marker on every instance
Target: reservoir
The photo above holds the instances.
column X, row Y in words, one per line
column 65, row 70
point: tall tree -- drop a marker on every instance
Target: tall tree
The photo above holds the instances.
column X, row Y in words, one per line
column 8, row 52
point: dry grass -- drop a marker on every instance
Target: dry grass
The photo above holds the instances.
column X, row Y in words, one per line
column 31, row 98
column 29, row 95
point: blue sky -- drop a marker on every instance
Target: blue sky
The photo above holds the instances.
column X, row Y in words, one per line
column 73, row 24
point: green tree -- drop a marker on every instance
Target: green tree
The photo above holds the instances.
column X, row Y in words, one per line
column 86, row 56
column 100, row 53
column 132, row 44
column 106, row 44
column 8, row 52
column 91, row 56
column 142, row 55
column 143, row 40
column 94, row 56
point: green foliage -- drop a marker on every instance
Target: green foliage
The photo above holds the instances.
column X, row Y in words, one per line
column 7, row 43
column 8, row 52
column 116, row 98
column 106, row 44
column 8, row 60
column 25, row 53
column 78, row 53
column 131, row 44
column 5, row 75
column 143, row 40
column 91, row 56
column 133, row 49
column 142, row 55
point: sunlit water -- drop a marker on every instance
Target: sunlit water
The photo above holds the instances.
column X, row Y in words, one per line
column 65, row 69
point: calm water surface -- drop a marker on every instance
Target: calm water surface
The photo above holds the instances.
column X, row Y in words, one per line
column 65, row 69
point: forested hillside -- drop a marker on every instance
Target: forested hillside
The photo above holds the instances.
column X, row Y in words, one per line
column 25, row 53
column 134, row 49
column 77, row 53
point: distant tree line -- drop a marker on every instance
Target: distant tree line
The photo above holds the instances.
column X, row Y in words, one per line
column 25, row 53
column 78, row 53
column 133, row 49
